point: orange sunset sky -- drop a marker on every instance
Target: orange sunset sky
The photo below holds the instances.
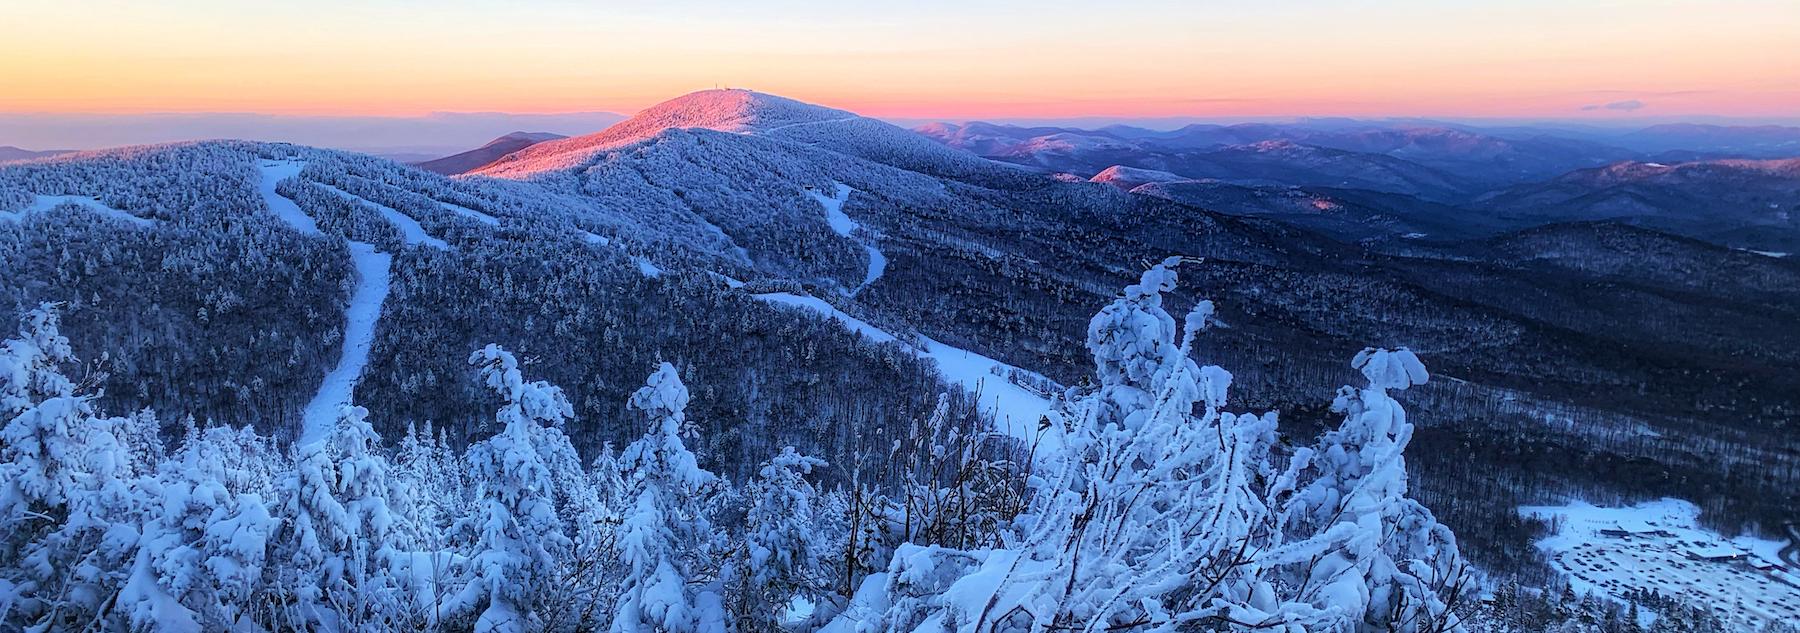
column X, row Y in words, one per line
column 970, row 59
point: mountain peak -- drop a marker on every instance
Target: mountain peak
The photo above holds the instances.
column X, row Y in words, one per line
column 731, row 110
column 726, row 110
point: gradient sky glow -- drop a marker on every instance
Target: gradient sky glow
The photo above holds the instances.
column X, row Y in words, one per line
column 918, row 58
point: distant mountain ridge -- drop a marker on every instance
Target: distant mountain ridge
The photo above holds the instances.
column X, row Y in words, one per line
column 8, row 152
column 1476, row 160
column 476, row 158
column 1751, row 203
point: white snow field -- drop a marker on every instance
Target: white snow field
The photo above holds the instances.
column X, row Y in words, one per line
column 42, row 204
column 1653, row 546
column 843, row 225
column 372, row 280
column 1015, row 410
column 410, row 229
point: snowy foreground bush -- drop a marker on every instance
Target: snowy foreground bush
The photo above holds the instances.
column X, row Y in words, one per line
column 1157, row 511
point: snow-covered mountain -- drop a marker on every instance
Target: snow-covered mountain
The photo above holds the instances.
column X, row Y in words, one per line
column 818, row 279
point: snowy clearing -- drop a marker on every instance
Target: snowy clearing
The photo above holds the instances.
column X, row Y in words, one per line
column 274, row 172
column 1659, row 546
column 1014, row 409
column 470, row 213
column 372, row 280
column 410, row 229
column 45, row 203
column 843, row 225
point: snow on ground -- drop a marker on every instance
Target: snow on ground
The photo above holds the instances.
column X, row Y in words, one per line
column 410, row 229
column 1770, row 253
column 843, row 225
column 274, row 172
column 45, row 203
column 372, row 281
column 1656, row 555
column 470, row 213
column 1015, row 410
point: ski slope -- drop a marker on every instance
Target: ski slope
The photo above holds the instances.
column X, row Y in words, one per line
column 470, row 213
column 843, row 225
column 1014, row 410
column 372, row 280
column 273, row 172
column 1656, row 556
column 42, row 204
column 373, row 277
column 410, row 229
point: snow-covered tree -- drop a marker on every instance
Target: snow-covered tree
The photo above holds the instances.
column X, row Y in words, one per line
column 1356, row 545
column 517, row 535
column 202, row 551
column 435, row 479
column 779, row 558
column 664, row 536
column 45, row 422
column 340, row 531
column 69, row 499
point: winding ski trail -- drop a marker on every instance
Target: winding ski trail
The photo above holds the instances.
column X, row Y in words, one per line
column 1014, row 410
column 40, row 204
column 843, row 225
column 373, row 278
column 410, row 229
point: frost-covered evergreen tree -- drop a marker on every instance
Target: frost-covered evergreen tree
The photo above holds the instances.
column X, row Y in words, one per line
column 664, row 537
column 340, row 531
column 779, row 558
column 436, row 482
column 45, row 421
column 517, row 535
column 1355, row 544
column 202, row 552
column 69, row 501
